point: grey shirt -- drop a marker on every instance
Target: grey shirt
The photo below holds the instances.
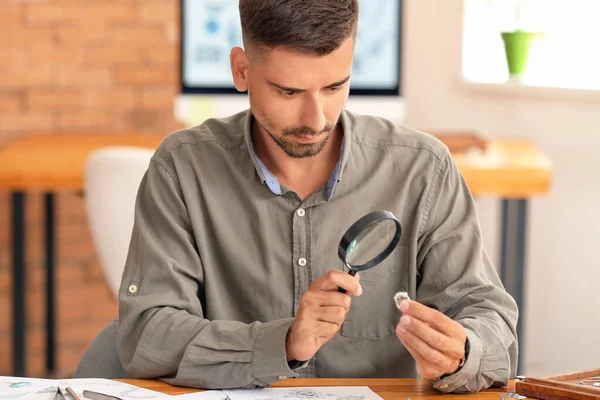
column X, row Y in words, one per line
column 221, row 253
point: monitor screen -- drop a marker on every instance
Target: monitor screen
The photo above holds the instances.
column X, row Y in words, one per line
column 211, row 28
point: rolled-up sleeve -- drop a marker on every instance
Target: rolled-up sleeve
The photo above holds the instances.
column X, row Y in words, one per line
column 456, row 277
column 163, row 333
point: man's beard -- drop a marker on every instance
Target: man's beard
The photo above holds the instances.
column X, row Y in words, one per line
column 296, row 149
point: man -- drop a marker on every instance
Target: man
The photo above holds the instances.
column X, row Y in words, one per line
column 232, row 275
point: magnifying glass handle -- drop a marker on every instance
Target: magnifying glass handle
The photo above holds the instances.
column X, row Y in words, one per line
column 352, row 273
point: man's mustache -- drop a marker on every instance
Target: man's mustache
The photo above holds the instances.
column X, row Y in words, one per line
column 306, row 131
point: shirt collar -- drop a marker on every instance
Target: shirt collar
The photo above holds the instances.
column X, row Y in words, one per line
column 266, row 176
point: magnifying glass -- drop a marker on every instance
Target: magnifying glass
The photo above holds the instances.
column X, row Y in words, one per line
column 369, row 241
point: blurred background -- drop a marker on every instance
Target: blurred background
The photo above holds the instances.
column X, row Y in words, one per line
column 493, row 69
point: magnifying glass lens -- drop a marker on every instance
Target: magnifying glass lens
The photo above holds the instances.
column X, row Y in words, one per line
column 371, row 242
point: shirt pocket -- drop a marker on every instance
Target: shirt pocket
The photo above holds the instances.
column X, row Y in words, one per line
column 373, row 315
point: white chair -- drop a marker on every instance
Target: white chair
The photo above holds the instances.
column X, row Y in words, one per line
column 111, row 180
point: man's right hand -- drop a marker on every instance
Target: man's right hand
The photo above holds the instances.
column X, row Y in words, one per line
column 321, row 313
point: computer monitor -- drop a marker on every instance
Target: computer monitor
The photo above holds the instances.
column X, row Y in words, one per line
column 211, row 28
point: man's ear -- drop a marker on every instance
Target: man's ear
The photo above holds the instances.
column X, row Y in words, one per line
column 239, row 68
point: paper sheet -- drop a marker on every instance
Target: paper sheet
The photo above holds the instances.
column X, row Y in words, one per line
column 305, row 393
column 12, row 388
column 106, row 386
column 16, row 388
column 206, row 395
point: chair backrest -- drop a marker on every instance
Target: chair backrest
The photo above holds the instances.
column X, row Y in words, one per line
column 111, row 181
column 100, row 359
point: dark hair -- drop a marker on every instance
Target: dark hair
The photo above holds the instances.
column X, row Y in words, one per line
column 316, row 27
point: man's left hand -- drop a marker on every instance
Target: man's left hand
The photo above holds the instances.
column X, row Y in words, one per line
column 436, row 342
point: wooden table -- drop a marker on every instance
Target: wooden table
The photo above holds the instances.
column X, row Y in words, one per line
column 388, row 389
column 513, row 170
column 45, row 164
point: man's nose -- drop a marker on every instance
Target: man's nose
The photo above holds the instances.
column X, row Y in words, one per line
column 314, row 117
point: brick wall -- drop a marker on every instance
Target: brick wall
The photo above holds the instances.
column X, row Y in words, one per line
column 77, row 67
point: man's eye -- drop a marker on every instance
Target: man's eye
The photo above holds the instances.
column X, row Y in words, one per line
column 334, row 89
column 287, row 93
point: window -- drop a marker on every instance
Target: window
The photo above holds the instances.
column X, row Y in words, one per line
column 566, row 57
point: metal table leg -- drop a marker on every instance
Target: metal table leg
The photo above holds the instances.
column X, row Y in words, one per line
column 18, row 261
column 512, row 261
column 50, row 294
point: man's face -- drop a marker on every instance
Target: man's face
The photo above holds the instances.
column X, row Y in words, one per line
column 297, row 98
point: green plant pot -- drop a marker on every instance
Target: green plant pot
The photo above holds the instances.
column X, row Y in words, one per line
column 517, row 45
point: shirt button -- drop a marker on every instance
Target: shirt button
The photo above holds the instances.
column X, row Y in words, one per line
column 301, row 212
column 133, row 289
column 282, row 377
column 444, row 386
column 302, row 262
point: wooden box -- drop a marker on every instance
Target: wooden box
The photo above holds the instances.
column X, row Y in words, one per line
column 561, row 387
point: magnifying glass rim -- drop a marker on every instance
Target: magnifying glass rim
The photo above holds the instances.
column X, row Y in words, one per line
column 361, row 225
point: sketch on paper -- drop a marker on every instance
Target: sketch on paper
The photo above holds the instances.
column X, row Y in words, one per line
column 12, row 388
column 305, row 393
column 206, row 395
column 15, row 388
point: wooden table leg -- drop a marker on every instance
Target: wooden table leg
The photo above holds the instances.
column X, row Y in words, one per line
column 50, row 289
column 512, row 259
column 18, row 263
